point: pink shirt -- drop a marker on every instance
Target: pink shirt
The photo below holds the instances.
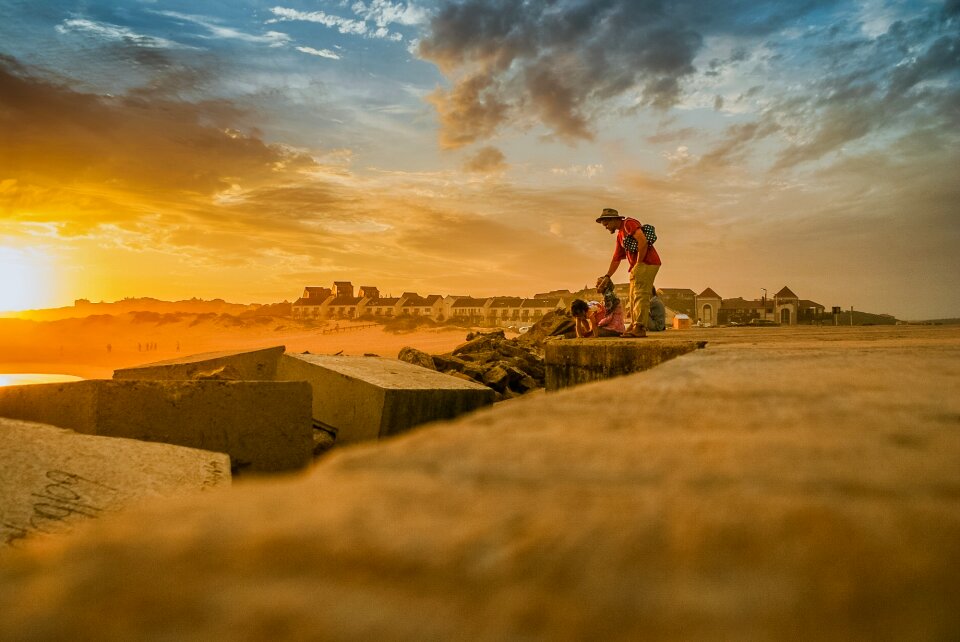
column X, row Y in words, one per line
column 611, row 321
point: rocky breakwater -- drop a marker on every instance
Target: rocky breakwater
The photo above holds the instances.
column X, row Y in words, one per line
column 511, row 367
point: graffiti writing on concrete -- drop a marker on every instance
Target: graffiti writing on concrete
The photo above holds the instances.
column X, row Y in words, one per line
column 66, row 496
column 214, row 475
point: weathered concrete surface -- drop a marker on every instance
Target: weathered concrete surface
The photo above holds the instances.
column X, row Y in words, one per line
column 250, row 365
column 365, row 398
column 263, row 425
column 52, row 479
column 754, row 492
column 572, row 362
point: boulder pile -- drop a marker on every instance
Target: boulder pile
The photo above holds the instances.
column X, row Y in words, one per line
column 511, row 367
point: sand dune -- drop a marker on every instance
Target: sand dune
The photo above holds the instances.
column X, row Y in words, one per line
column 93, row 346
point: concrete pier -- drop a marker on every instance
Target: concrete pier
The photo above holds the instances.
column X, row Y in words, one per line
column 263, row 425
column 238, row 365
column 363, row 398
column 571, row 362
column 53, row 479
column 799, row 485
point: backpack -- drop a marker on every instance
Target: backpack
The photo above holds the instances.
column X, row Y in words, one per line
column 630, row 244
column 650, row 232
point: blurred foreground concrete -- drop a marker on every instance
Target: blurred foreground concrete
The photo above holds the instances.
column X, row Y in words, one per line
column 803, row 485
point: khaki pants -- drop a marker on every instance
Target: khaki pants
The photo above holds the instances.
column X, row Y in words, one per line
column 641, row 285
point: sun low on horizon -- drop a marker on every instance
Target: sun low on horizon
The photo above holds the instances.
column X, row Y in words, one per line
column 25, row 282
column 245, row 150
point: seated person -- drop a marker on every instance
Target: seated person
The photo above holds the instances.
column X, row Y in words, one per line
column 592, row 320
column 612, row 320
column 657, row 313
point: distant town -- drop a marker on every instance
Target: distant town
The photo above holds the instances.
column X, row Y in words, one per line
column 341, row 301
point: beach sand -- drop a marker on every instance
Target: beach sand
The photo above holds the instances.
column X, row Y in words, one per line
column 80, row 346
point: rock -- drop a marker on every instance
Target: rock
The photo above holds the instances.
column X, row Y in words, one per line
column 497, row 378
column 553, row 323
column 459, row 375
column 532, row 366
column 511, row 349
column 323, row 440
column 479, row 357
column 416, row 357
column 526, row 384
column 52, row 479
column 486, row 342
column 446, row 362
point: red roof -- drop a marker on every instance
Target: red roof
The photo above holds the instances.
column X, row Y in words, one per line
column 785, row 293
column 708, row 294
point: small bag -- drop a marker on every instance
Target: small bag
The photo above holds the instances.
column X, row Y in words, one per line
column 631, row 244
column 650, row 232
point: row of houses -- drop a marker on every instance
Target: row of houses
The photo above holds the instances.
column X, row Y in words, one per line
column 705, row 308
column 709, row 308
column 340, row 302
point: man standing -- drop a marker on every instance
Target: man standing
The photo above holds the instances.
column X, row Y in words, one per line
column 643, row 260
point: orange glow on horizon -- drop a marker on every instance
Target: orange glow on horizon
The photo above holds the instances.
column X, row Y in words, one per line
column 24, row 279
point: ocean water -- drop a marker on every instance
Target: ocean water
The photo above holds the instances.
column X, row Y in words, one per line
column 22, row 378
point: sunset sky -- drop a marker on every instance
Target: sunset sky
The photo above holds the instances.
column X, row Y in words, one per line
column 243, row 150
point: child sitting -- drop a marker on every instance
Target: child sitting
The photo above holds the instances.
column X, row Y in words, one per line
column 595, row 319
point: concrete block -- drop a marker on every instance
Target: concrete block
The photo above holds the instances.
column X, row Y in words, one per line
column 262, row 425
column 52, row 479
column 250, row 365
column 575, row 361
column 371, row 397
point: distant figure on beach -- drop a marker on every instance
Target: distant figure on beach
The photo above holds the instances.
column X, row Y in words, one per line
column 109, row 348
column 658, row 314
column 644, row 262
column 138, row 346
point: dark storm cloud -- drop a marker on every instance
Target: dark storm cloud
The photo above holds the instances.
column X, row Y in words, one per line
column 516, row 63
column 554, row 60
column 558, row 61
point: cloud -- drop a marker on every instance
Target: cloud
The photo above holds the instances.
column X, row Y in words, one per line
column 116, row 154
column 486, row 160
column 670, row 136
column 880, row 90
column 580, row 171
column 217, row 30
column 180, row 187
column 559, row 62
column 323, row 53
column 382, row 14
column 564, row 64
column 471, row 111
column 111, row 32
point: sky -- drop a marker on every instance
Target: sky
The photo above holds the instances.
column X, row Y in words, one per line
column 243, row 150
